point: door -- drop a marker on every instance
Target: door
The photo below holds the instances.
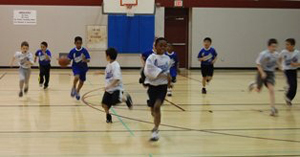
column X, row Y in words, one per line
column 176, row 32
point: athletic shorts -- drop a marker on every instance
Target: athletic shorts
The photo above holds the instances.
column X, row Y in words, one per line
column 269, row 79
column 112, row 99
column 156, row 93
column 81, row 73
column 207, row 70
column 24, row 74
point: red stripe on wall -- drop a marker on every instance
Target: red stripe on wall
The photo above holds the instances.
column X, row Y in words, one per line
column 170, row 3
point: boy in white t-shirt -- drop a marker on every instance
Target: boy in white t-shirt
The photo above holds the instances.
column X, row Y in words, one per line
column 25, row 60
column 157, row 71
column 289, row 59
column 114, row 92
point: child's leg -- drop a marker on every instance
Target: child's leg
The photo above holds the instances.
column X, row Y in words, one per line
column 79, row 86
column 47, row 75
column 204, row 82
column 271, row 94
column 82, row 78
column 291, row 76
column 108, row 115
column 76, row 79
column 157, row 114
column 41, row 76
column 27, row 77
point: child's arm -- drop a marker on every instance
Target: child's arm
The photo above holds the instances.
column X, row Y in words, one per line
column 12, row 61
column 279, row 63
column 86, row 57
column 261, row 71
column 142, row 60
column 47, row 56
column 113, row 84
column 169, row 81
column 294, row 64
column 214, row 61
column 35, row 59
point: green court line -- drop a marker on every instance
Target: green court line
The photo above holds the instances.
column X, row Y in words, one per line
column 119, row 118
column 150, row 155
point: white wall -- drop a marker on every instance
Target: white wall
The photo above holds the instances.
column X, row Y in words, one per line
column 240, row 34
column 58, row 25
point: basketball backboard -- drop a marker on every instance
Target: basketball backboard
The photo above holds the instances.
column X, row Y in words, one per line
column 129, row 7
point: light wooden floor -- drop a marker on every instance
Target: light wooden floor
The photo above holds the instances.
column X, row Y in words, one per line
column 228, row 121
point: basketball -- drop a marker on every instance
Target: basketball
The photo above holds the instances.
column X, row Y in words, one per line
column 63, row 62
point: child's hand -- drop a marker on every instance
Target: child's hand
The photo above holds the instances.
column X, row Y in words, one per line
column 170, row 85
column 263, row 75
column 293, row 64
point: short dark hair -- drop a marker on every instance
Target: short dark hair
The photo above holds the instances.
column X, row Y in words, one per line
column 292, row 41
column 272, row 41
column 24, row 43
column 207, row 39
column 160, row 39
column 44, row 43
column 112, row 53
column 78, row 38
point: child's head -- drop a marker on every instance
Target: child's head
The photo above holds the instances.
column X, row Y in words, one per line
column 78, row 42
column 272, row 45
column 111, row 54
column 207, row 42
column 24, row 46
column 170, row 47
column 44, row 46
column 290, row 44
column 160, row 45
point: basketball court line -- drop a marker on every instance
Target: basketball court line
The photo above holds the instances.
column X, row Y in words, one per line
column 184, row 128
column 5, row 73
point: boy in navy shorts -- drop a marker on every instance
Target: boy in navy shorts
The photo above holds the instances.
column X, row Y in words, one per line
column 79, row 57
column 207, row 56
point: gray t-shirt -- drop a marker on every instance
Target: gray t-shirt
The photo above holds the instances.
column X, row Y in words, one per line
column 288, row 58
column 23, row 58
column 113, row 72
column 268, row 60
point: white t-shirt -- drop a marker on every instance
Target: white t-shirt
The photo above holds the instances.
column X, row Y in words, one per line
column 23, row 57
column 157, row 69
column 268, row 60
column 288, row 58
column 113, row 72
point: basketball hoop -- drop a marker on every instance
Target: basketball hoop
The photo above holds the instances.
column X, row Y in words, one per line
column 129, row 10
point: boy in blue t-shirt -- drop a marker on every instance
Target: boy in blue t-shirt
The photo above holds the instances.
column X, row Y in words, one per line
column 174, row 67
column 44, row 56
column 207, row 56
column 79, row 57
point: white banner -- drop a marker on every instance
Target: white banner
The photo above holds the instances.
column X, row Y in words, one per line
column 25, row 17
column 97, row 37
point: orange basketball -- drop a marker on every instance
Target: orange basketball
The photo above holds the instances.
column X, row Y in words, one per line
column 63, row 62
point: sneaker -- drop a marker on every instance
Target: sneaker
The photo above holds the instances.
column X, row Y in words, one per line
column 251, row 86
column 26, row 90
column 77, row 95
column 41, row 85
column 20, row 94
column 154, row 136
column 204, row 91
column 73, row 92
column 108, row 118
column 169, row 92
column 274, row 112
column 129, row 102
column 288, row 101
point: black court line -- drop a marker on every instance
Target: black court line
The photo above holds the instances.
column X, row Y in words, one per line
column 177, row 106
column 3, row 75
column 184, row 128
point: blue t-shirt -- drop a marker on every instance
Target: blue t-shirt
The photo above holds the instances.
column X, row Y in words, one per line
column 146, row 54
column 42, row 57
column 210, row 55
column 76, row 57
column 174, row 63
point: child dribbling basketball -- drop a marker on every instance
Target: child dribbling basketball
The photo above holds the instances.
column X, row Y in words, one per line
column 80, row 58
column 25, row 60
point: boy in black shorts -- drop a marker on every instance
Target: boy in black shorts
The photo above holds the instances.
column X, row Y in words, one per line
column 114, row 92
column 207, row 56
column 157, row 71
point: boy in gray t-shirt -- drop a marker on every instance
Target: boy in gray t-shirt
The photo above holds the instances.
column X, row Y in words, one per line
column 267, row 62
column 289, row 58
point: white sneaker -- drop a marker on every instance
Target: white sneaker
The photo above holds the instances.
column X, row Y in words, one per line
column 169, row 92
column 251, row 86
column 288, row 101
column 154, row 136
column 274, row 112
